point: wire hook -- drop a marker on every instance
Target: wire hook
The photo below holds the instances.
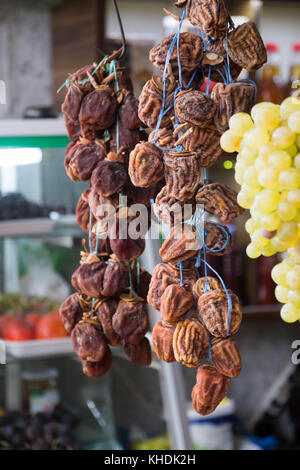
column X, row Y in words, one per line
column 124, row 44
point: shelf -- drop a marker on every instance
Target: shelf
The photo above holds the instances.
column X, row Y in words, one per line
column 64, row 225
column 38, row 348
column 262, row 311
column 42, row 133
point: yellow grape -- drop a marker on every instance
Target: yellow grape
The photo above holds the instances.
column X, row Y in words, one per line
column 297, row 218
column 289, row 106
column 244, row 200
column 289, row 179
column 268, row 178
column 255, row 138
column 268, row 251
column 259, row 240
column 292, row 151
column 249, row 189
column 251, row 226
column 294, row 253
column 283, row 137
column 288, row 232
column 270, row 222
column 240, row 123
column 280, row 160
column 293, row 278
column 278, row 245
column 286, row 211
column 298, row 141
column 266, row 150
column 289, row 313
column 293, row 197
column 297, row 161
column 260, row 164
column 250, row 176
column 252, row 251
column 279, row 273
column 247, row 156
column 256, row 215
column 294, row 122
column 267, row 200
column 294, row 297
column 281, row 294
column 230, row 142
column 266, row 117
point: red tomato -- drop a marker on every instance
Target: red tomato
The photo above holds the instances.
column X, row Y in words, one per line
column 50, row 326
column 4, row 320
column 33, row 318
column 18, row 330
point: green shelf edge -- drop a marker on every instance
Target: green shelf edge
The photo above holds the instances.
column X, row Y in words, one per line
column 55, row 141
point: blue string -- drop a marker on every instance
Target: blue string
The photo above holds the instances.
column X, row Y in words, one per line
column 228, row 61
column 220, row 73
column 225, row 244
column 250, row 81
column 90, row 230
column 227, row 294
column 163, row 111
column 205, row 269
column 181, row 274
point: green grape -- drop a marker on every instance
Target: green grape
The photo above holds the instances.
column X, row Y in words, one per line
column 297, row 218
column 286, row 211
column 230, row 142
column 297, row 161
column 251, row 226
column 259, row 240
column 283, row 137
column 294, row 122
column 279, row 245
column 289, row 179
column 266, row 150
column 270, row 222
column 298, row 141
column 250, row 190
column 289, row 313
column 294, row 253
column 268, row 251
column 266, row 117
column 240, row 123
column 288, row 232
column 289, row 106
column 293, row 278
column 280, row 160
column 293, row 197
column 279, row 273
column 292, row 151
column 255, row 138
column 250, row 176
column 268, row 178
column 247, row 156
column 260, row 164
column 267, row 201
column 244, row 200
column 252, row 251
column 294, row 297
column 256, row 215
column 281, row 294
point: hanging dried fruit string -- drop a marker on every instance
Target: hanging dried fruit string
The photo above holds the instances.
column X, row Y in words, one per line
column 199, row 314
column 109, row 306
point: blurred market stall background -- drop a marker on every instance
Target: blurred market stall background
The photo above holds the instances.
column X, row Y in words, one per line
column 41, row 42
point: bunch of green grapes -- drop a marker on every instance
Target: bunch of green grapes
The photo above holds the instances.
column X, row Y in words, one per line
column 268, row 170
column 287, row 275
